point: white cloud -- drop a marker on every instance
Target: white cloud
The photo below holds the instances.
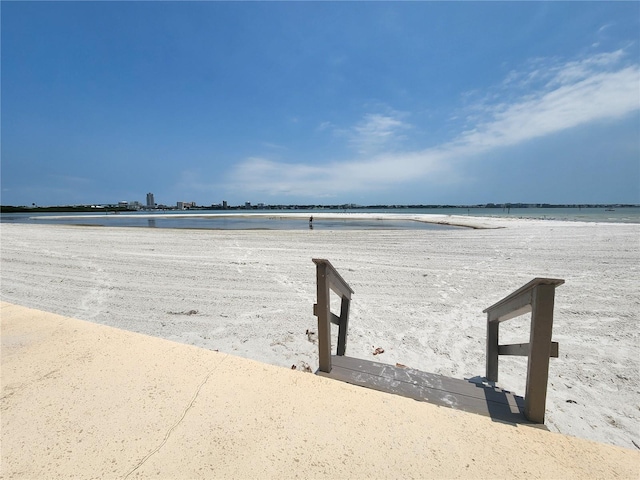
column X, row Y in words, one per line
column 566, row 95
column 605, row 27
column 600, row 96
column 545, row 73
column 324, row 126
column 277, row 178
column 375, row 132
column 576, row 71
column 547, row 98
column 269, row 177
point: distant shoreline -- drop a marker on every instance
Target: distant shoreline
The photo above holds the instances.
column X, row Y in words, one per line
column 116, row 208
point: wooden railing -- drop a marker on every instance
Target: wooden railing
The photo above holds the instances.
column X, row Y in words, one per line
column 329, row 279
column 536, row 297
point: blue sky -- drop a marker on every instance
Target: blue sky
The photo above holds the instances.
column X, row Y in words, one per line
column 320, row 102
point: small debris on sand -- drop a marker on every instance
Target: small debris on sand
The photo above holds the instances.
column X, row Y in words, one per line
column 305, row 367
column 311, row 336
column 378, row 351
column 188, row 312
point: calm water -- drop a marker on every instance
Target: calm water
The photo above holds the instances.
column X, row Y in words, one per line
column 195, row 219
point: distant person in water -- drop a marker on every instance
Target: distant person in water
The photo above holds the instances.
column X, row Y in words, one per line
column 311, row 222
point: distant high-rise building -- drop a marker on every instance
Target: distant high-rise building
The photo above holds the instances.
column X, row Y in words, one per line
column 150, row 201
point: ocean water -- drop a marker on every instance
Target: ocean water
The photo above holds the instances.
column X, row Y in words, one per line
column 216, row 219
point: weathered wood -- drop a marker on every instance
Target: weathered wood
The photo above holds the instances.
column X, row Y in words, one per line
column 336, row 283
column 343, row 322
column 334, row 277
column 327, row 280
column 496, row 313
column 324, row 324
column 437, row 389
column 522, row 349
column 539, row 352
column 416, row 377
column 513, row 308
column 536, row 297
column 492, row 351
column 333, row 318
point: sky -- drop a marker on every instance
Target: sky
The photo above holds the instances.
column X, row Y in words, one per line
column 321, row 103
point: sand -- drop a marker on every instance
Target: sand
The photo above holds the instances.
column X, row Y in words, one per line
column 82, row 400
column 418, row 294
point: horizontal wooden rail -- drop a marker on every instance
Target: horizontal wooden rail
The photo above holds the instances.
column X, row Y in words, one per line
column 536, row 297
column 327, row 278
column 522, row 350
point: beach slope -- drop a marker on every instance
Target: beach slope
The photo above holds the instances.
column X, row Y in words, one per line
column 81, row 400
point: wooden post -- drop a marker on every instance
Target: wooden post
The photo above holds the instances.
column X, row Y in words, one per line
column 536, row 297
column 324, row 323
column 329, row 279
column 492, row 349
column 344, row 325
column 539, row 352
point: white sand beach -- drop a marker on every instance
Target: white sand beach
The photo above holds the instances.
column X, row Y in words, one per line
column 419, row 295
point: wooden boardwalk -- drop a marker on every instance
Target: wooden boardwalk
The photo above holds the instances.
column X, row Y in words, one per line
column 466, row 395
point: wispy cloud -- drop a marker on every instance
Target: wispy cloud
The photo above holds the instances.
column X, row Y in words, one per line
column 375, row 132
column 543, row 99
column 69, row 179
column 568, row 95
column 605, row 27
column 324, row 126
column 273, row 146
column 296, row 179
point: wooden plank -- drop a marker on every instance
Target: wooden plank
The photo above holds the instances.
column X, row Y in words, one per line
column 322, row 310
column 416, row 392
column 343, row 322
column 437, row 389
column 522, row 349
column 538, row 364
column 514, row 307
column 406, row 375
column 492, row 351
column 556, row 282
column 333, row 318
column 338, row 285
column 414, row 377
column 334, row 275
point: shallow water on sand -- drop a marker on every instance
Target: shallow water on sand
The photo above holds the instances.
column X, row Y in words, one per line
column 273, row 219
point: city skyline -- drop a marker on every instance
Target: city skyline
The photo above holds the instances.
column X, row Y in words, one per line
column 224, row 205
column 321, row 103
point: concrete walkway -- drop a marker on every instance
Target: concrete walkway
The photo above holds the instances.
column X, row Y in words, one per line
column 81, row 400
